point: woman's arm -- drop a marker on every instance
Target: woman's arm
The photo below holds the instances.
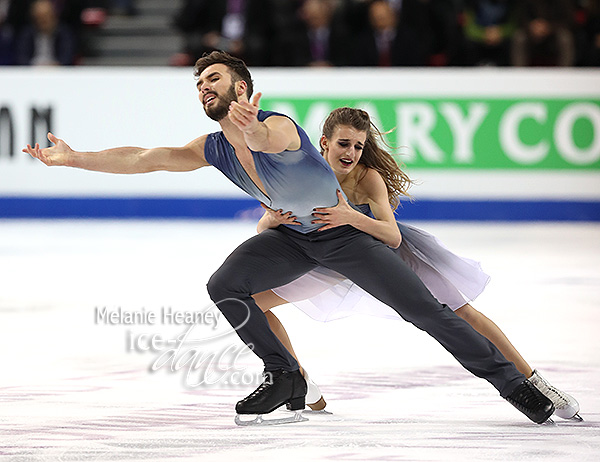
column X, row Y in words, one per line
column 383, row 227
column 123, row 159
column 273, row 218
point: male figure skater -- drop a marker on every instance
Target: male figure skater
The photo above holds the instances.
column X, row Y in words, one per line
column 271, row 158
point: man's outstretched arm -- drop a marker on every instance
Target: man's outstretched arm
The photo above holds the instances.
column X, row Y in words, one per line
column 123, row 159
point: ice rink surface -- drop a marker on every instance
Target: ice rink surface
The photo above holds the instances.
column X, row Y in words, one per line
column 77, row 384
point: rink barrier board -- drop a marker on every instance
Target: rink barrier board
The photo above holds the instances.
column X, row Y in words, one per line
column 218, row 208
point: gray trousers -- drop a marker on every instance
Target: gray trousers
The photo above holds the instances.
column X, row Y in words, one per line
column 278, row 256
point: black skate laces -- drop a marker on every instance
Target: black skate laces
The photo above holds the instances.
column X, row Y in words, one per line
column 263, row 386
column 527, row 398
column 269, row 380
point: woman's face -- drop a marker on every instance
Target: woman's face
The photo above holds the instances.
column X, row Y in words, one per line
column 344, row 149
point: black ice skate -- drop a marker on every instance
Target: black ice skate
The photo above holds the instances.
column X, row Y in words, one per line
column 280, row 387
column 531, row 402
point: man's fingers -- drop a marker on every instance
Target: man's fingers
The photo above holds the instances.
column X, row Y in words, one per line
column 242, row 97
column 243, row 108
column 241, row 114
column 35, row 151
column 234, row 116
column 239, row 119
column 256, row 99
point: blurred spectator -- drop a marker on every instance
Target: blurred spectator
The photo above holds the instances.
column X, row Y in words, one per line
column 593, row 29
column 436, row 25
column 431, row 24
column 319, row 38
column 46, row 41
column 69, row 11
column 18, row 13
column 235, row 26
column 544, row 37
column 488, row 29
column 333, row 32
column 282, row 26
column 6, row 35
column 123, row 7
column 588, row 32
column 388, row 41
column 354, row 15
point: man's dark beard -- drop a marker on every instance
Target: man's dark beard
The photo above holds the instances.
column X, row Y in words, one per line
column 220, row 110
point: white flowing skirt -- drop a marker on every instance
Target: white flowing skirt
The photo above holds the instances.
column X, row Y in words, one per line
column 326, row 295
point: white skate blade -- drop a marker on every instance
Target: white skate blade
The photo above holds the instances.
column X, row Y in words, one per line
column 311, row 412
column 259, row 420
column 319, row 412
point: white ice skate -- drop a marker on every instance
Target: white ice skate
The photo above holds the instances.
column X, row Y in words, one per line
column 566, row 407
column 314, row 397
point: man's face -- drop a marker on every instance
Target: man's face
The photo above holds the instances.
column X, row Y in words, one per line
column 217, row 91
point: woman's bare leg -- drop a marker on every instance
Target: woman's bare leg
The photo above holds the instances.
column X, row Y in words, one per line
column 487, row 328
column 267, row 300
column 566, row 406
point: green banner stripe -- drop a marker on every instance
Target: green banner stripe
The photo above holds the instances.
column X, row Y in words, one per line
column 490, row 133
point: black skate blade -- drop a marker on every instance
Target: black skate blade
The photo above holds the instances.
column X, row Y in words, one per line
column 259, row 420
column 576, row 418
column 549, row 421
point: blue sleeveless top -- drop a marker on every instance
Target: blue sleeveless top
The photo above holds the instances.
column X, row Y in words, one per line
column 296, row 181
column 365, row 209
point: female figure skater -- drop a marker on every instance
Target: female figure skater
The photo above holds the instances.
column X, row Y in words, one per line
column 370, row 177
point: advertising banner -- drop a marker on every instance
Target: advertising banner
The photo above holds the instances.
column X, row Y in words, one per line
column 492, row 133
column 480, row 143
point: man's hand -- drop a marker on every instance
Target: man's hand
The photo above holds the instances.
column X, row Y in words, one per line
column 341, row 214
column 276, row 134
column 244, row 114
column 55, row 155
